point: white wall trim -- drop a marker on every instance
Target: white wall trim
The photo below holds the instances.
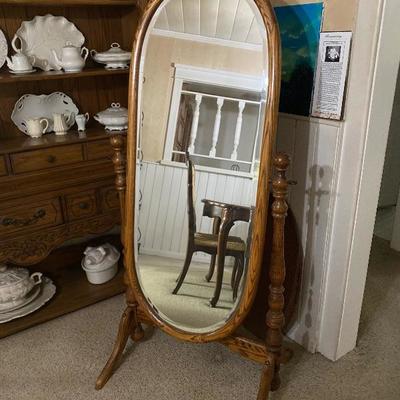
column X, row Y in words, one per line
column 219, row 77
column 373, row 73
column 208, row 40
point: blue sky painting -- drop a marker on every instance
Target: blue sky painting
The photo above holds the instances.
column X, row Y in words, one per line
column 300, row 27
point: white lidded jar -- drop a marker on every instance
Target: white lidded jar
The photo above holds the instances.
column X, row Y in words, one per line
column 100, row 263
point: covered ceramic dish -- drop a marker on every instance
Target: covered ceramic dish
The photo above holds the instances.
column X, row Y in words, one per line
column 114, row 118
column 15, row 284
column 100, row 263
column 114, row 57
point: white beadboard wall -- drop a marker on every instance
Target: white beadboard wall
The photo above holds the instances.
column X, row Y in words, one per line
column 314, row 147
column 163, row 218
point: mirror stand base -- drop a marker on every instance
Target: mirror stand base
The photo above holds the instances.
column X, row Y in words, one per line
column 270, row 353
column 129, row 326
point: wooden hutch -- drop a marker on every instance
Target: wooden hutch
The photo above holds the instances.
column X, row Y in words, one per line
column 54, row 189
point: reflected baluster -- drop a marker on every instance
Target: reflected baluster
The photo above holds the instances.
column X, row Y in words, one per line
column 195, row 123
column 217, row 124
column 238, row 130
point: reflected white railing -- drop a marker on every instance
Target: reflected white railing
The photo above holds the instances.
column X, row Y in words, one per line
column 220, row 101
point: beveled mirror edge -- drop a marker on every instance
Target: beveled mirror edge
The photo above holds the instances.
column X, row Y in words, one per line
column 259, row 228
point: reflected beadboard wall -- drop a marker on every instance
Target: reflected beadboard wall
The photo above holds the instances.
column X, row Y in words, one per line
column 313, row 145
column 163, row 218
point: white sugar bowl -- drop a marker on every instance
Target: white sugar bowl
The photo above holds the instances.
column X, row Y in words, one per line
column 100, row 263
column 114, row 118
column 15, row 284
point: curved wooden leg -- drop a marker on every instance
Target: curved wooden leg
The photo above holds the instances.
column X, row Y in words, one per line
column 137, row 332
column 182, row 276
column 124, row 331
column 212, row 268
column 266, row 378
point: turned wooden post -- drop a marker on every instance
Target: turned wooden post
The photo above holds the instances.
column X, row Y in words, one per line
column 129, row 324
column 275, row 318
column 119, row 160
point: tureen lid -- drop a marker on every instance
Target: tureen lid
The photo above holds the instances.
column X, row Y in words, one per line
column 12, row 276
column 114, row 53
column 114, row 111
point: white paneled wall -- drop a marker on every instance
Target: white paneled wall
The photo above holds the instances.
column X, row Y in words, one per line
column 163, row 218
column 313, row 145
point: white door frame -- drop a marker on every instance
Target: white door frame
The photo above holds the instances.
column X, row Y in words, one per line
column 372, row 82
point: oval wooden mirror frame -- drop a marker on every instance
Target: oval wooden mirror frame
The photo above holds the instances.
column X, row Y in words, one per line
column 273, row 63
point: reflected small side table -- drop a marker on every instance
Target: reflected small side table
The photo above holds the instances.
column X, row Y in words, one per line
column 228, row 214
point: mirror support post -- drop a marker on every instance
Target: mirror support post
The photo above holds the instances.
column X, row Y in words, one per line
column 270, row 380
column 129, row 325
column 119, row 160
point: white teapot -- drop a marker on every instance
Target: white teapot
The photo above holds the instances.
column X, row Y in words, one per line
column 19, row 62
column 72, row 58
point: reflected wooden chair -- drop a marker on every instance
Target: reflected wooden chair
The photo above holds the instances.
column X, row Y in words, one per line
column 208, row 242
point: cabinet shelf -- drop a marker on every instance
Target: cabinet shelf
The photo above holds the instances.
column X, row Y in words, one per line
column 7, row 77
column 73, row 289
column 21, row 142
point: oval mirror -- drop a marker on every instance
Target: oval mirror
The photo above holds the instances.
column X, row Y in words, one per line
column 206, row 114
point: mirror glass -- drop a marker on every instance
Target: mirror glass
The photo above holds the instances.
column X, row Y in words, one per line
column 201, row 107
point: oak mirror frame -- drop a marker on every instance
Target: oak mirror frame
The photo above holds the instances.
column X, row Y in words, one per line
column 250, row 284
column 140, row 310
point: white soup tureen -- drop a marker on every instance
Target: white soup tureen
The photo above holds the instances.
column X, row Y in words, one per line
column 15, row 284
column 114, row 118
column 114, row 57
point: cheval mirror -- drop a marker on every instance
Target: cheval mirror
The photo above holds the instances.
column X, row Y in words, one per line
column 203, row 104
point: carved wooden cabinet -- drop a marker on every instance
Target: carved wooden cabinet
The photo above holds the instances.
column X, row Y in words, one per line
column 54, row 189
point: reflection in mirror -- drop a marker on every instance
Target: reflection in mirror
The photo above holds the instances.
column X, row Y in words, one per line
column 202, row 101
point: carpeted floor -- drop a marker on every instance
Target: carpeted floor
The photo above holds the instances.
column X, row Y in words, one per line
column 61, row 359
column 190, row 307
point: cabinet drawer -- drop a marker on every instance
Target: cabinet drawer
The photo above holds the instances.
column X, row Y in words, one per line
column 109, row 198
column 99, row 149
column 46, row 158
column 34, row 214
column 3, row 168
column 81, row 205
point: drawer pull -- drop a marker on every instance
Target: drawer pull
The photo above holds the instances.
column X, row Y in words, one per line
column 83, row 206
column 51, row 159
column 23, row 222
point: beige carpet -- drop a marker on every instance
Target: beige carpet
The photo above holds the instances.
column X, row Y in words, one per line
column 60, row 359
column 190, row 307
